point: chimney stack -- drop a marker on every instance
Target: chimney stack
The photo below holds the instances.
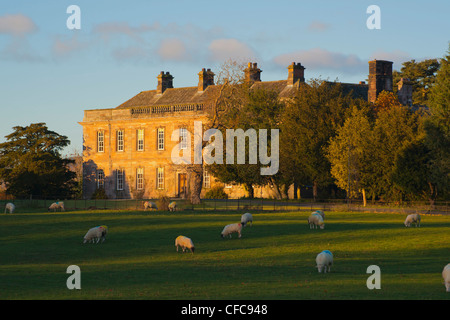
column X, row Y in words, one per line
column 205, row 79
column 164, row 82
column 252, row 72
column 404, row 92
column 296, row 72
column 380, row 78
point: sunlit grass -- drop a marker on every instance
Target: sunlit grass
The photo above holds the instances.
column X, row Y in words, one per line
column 274, row 259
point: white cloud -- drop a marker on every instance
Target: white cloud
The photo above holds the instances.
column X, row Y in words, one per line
column 225, row 49
column 321, row 59
column 65, row 46
column 397, row 56
column 110, row 29
column 16, row 25
column 317, row 26
column 173, row 49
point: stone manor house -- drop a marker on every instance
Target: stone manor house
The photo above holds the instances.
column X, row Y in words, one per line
column 127, row 149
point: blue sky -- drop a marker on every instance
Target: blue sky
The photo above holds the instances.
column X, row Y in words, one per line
column 50, row 74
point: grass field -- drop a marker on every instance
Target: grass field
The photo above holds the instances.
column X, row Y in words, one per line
column 274, row 259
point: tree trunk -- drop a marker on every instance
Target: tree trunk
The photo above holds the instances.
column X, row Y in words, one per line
column 315, row 192
column 196, row 182
column 251, row 193
column 364, row 197
column 433, row 195
column 296, row 196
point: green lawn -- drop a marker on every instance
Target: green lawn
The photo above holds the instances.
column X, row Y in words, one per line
column 274, row 259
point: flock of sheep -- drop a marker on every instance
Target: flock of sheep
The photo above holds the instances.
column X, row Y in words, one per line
column 324, row 260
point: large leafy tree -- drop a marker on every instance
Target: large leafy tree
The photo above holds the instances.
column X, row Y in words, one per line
column 349, row 154
column 412, row 172
column 308, row 123
column 437, row 128
column 423, row 76
column 255, row 109
column 31, row 163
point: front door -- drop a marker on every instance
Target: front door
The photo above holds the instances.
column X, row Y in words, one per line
column 182, row 188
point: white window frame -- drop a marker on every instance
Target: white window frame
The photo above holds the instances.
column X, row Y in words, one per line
column 100, row 141
column 160, row 178
column 100, row 179
column 206, row 180
column 183, row 138
column 119, row 179
column 139, row 178
column 140, row 139
column 120, row 140
column 160, row 137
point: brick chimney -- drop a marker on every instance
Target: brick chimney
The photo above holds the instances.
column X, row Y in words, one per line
column 380, row 78
column 205, row 79
column 165, row 81
column 296, row 72
column 404, row 92
column 252, row 72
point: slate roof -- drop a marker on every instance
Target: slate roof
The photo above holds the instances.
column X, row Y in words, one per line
column 191, row 95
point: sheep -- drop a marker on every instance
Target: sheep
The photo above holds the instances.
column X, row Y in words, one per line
column 324, row 260
column 172, row 206
column 412, row 218
column 184, row 243
column 57, row 205
column 231, row 228
column 315, row 220
column 10, row 207
column 150, row 205
column 246, row 218
column 96, row 233
column 446, row 276
column 320, row 212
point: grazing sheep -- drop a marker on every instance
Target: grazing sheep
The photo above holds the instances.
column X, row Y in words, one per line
column 412, row 218
column 246, row 218
column 96, row 233
column 315, row 220
column 172, row 206
column 184, row 243
column 57, row 205
column 320, row 212
column 150, row 205
column 231, row 228
column 10, row 207
column 324, row 260
column 446, row 276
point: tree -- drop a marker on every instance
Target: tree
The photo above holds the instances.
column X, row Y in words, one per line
column 423, row 76
column 437, row 128
column 411, row 172
column 393, row 131
column 385, row 101
column 309, row 121
column 349, row 154
column 31, row 163
column 255, row 109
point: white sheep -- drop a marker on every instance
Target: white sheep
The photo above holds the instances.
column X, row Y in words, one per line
column 172, row 206
column 57, row 205
column 320, row 212
column 315, row 220
column 412, row 218
column 184, row 243
column 10, row 207
column 446, row 276
column 246, row 218
column 231, row 228
column 150, row 205
column 96, row 233
column 324, row 260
